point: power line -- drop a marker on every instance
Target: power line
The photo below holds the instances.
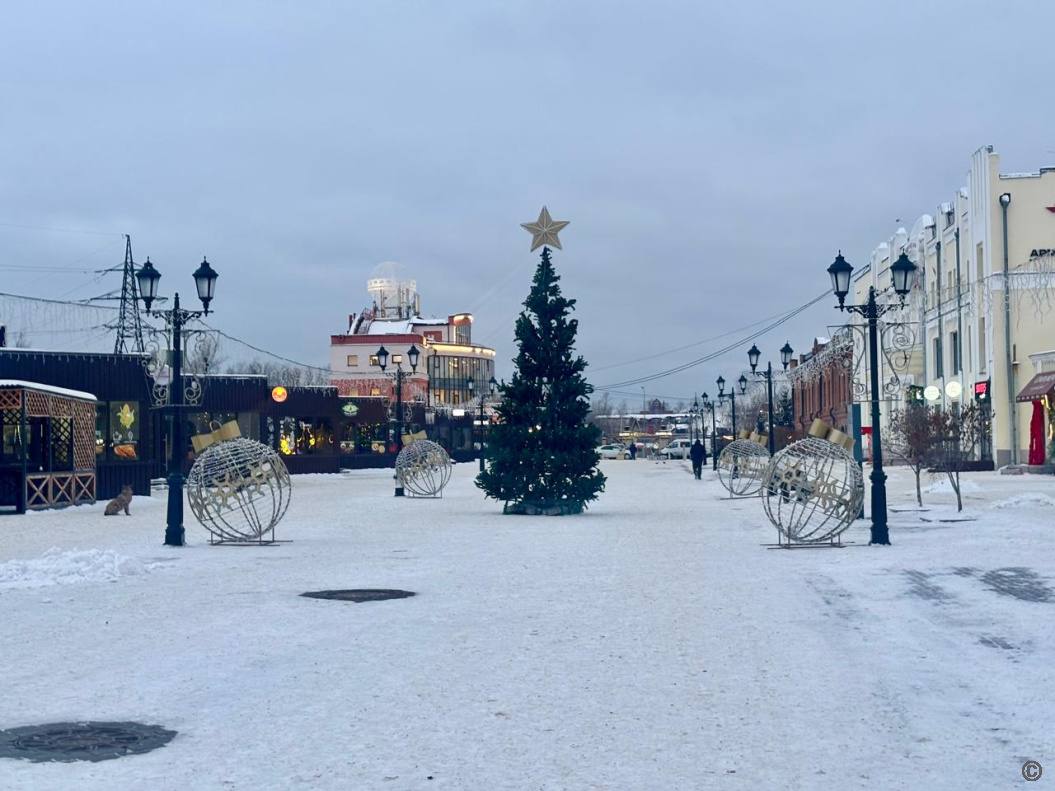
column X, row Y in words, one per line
column 708, row 357
column 55, row 230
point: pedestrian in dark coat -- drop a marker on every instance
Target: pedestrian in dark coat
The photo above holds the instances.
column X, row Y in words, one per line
column 698, row 454
column 633, row 450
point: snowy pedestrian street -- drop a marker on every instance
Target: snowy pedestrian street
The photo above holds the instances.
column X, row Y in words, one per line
column 653, row 643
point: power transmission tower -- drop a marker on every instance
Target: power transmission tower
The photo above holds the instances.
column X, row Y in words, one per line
column 129, row 327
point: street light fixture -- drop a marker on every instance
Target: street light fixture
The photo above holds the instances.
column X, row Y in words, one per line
column 900, row 276
column 205, row 282
column 785, row 357
column 731, row 397
column 709, row 404
column 382, row 356
column 492, row 388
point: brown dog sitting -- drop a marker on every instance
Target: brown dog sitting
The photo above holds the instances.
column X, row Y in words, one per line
column 120, row 503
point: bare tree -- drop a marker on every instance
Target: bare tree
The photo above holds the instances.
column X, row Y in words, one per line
column 911, row 434
column 956, row 434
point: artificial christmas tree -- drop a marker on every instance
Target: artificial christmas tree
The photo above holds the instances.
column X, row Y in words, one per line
column 542, row 456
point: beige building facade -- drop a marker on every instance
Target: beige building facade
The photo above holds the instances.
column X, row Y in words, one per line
column 983, row 309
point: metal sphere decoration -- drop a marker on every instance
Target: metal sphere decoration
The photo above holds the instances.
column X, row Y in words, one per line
column 423, row 468
column 239, row 490
column 741, row 466
column 813, row 490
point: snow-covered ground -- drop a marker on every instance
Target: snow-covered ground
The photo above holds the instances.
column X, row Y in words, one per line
column 651, row 644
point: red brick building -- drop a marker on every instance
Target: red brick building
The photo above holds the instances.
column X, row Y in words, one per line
column 820, row 387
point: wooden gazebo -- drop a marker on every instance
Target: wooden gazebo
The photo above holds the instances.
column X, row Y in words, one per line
column 47, row 446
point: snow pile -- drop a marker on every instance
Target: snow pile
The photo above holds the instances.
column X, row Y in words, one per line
column 1026, row 500
column 942, row 486
column 56, row 567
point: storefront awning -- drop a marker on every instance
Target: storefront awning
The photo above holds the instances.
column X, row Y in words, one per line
column 1038, row 387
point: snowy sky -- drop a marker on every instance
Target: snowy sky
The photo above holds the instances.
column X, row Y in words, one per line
column 711, row 157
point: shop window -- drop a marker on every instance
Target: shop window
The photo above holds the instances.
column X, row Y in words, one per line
column 124, row 429
column 102, row 412
column 374, row 361
column 304, row 436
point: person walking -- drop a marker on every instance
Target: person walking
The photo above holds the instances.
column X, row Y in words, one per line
column 698, row 455
column 633, row 450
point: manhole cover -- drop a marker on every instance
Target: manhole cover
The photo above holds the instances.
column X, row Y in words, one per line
column 363, row 594
column 82, row 741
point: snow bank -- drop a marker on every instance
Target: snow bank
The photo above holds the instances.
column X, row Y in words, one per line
column 1026, row 500
column 942, row 486
column 56, row 567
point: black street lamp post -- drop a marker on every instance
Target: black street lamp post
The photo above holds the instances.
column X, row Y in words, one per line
column 382, row 363
column 492, row 388
column 205, row 284
column 731, row 395
column 785, row 357
column 709, row 404
column 900, row 274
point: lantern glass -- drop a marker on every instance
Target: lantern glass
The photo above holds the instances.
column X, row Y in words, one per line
column 742, row 381
column 148, row 278
column 205, row 281
column 721, row 386
column 840, row 272
column 901, row 274
column 752, row 355
column 786, row 353
column 382, row 358
column 413, row 354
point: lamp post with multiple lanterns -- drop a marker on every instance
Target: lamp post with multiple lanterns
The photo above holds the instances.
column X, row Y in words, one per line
column 709, row 404
column 900, row 275
column 205, row 283
column 785, row 357
column 731, row 395
column 397, row 359
column 492, row 388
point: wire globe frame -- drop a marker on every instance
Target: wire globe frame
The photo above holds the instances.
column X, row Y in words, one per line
column 239, row 489
column 741, row 467
column 813, row 491
column 423, row 468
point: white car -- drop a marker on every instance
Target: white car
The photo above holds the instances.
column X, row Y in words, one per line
column 613, row 452
column 677, row 449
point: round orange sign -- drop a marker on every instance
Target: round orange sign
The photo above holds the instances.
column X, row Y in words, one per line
column 279, row 394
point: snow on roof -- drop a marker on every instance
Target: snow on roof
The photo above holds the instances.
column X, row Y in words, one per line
column 400, row 326
column 62, row 391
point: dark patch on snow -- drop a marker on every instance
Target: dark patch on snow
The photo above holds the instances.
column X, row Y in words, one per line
column 997, row 642
column 920, row 586
column 82, row 741
column 360, row 594
column 965, row 571
column 1020, row 583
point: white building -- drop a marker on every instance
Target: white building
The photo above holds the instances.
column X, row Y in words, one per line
column 448, row 357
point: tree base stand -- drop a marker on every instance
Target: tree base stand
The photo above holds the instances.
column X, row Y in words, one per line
column 534, row 508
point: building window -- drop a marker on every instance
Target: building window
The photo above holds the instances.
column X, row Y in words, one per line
column 954, row 343
column 938, row 367
column 373, row 360
column 983, row 357
column 352, row 361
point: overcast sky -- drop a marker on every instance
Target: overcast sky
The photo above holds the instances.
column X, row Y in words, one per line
column 711, row 157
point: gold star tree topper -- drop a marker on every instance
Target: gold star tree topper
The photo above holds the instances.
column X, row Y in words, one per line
column 544, row 230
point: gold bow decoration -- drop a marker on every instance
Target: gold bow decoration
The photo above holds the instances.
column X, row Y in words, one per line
column 228, row 430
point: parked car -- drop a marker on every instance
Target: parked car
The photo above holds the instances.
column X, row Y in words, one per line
column 615, row 451
column 676, row 449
